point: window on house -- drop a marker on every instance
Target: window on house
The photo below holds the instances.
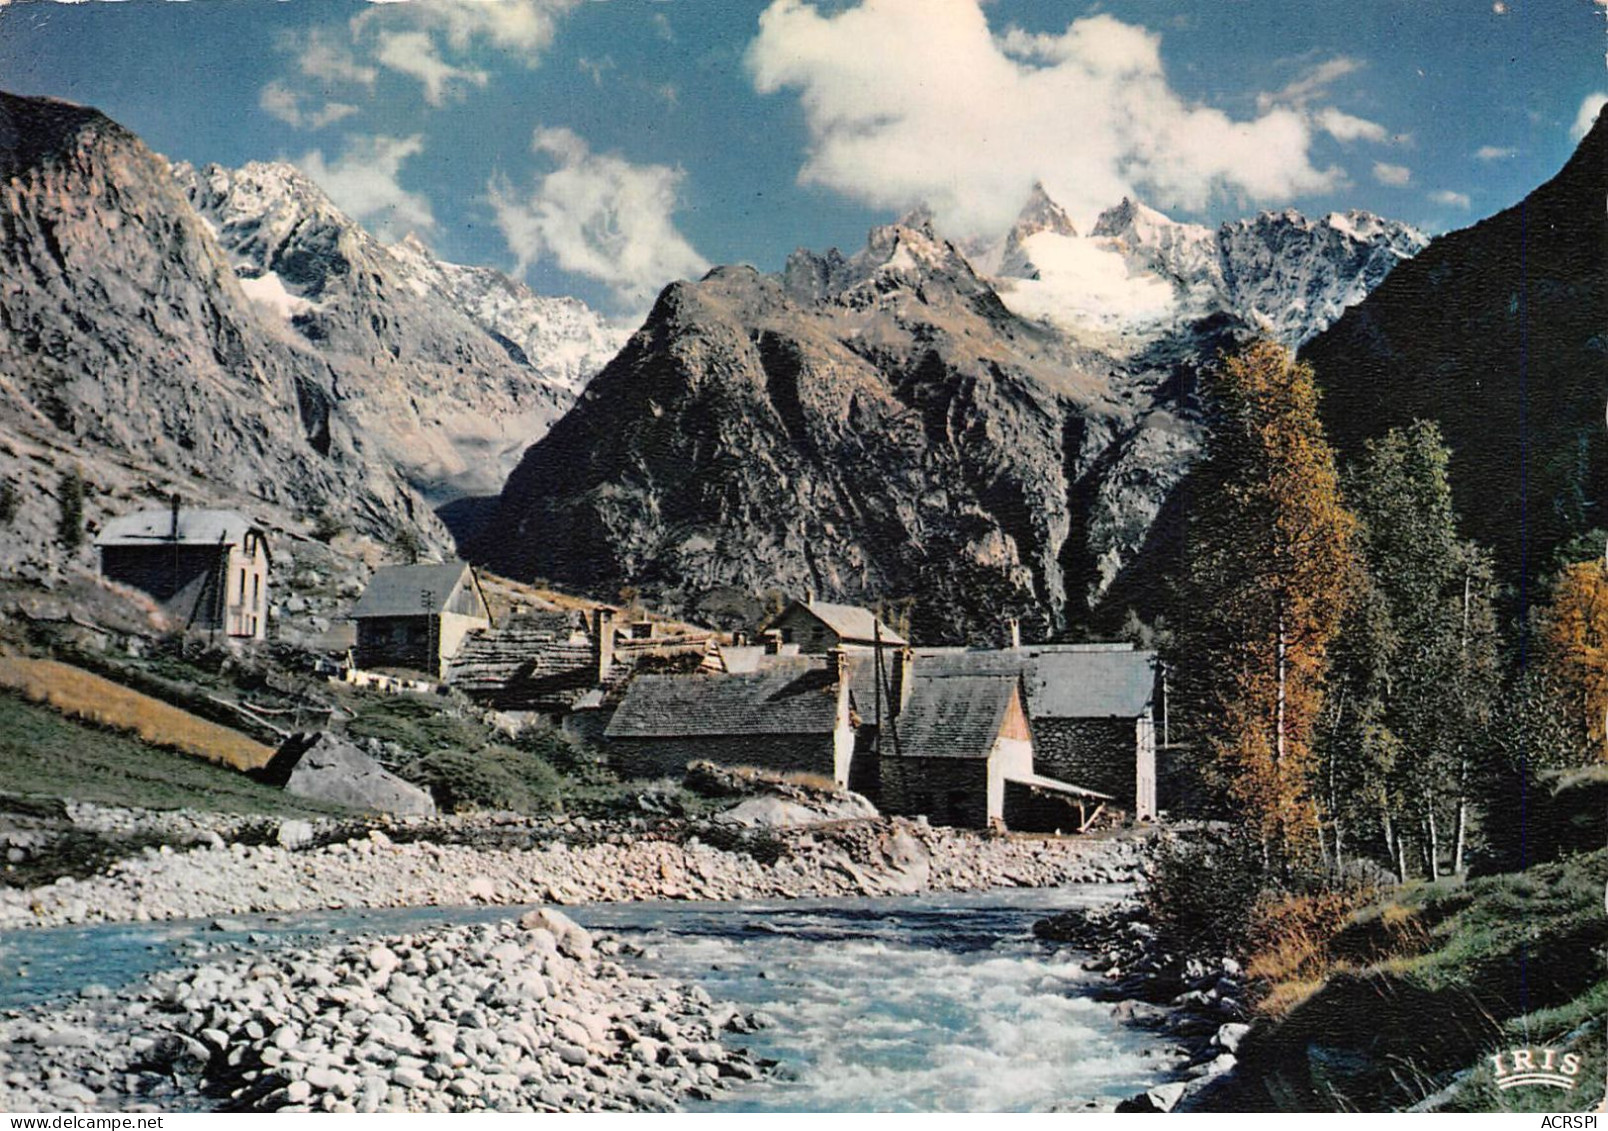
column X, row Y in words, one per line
column 256, row 590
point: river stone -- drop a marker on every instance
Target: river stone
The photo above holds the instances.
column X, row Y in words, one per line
column 1230, row 1035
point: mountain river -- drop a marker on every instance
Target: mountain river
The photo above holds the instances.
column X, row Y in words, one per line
column 938, row 1002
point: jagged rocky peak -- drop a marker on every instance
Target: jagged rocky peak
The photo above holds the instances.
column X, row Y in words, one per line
column 275, row 222
column 1139, row 273
column 564, row 340
column 452, row 370
column 1294, row 275
column 900, row 258
column 1041, row 215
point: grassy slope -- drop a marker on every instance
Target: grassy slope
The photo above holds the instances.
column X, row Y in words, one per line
column 1435, row 979
column 45, row 754
column 85, row 695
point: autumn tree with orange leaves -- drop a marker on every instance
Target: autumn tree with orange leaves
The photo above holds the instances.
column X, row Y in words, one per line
column 1272, row 565
column 1575, row 642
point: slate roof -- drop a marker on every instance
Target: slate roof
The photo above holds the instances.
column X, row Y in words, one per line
column 410, row 590
column 1064, row 681
column 952, row 716
column 196, row 526
column 793, row 695
column 851, row 623
column 1090, row 685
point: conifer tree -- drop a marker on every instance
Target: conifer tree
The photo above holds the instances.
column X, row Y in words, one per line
column 1271, row 570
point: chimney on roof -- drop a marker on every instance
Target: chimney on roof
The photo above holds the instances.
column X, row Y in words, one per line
column 904, row 674
column 1013, row 633
column 173, row 531
column 603, row 641
column 809, row 598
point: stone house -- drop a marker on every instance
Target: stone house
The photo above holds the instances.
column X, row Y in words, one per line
column 787, row 712
column 415, row 617
column 954, row 744
column 1091, row 707
column 207, row 568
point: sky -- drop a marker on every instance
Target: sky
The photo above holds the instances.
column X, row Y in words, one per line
column 603, row 148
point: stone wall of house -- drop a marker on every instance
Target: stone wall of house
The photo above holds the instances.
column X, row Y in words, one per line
column 806, row 630
column 662, row 757
column 947, row 791
column 1096, row 754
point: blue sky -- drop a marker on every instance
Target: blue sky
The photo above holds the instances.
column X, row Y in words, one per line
column 603, row 147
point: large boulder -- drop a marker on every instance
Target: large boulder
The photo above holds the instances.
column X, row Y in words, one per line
column 781, row 813
column 326, row 767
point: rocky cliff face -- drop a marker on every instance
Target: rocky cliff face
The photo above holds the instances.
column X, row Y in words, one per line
column 893, row 426
column 127, row 344
column 877, row 427
column 1500, row 333
column 451, row 371
column 230, row 336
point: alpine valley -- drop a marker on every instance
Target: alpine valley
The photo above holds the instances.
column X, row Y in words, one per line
column 971, row 431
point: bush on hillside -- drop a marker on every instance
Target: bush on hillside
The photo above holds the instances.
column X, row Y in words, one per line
column 1203, row 891
column 493, row 777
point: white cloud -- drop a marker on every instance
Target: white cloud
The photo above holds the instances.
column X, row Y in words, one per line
column 1346, row 127
column 285, row 104
column 320, row 55
column 1494, row 152
column 1587, row 116
column 1452, row 199
column 363, row 182
column 1314, row 84
column 911, row 101
column 428, row 39
column 598, row 215
column 1393, row 175
column 414, row 53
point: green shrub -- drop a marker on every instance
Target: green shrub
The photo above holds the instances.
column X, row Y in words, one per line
column 1203, row 892
column 422, row 725
column 70, row 513
column 10, row 502
column 570, row 756
column 494, row 777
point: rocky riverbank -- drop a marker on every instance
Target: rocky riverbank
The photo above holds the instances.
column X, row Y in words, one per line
column 1198, row 1004
column 456, row 861
column 537, row 1015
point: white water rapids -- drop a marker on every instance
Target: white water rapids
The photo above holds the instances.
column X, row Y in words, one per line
column 937, row 1002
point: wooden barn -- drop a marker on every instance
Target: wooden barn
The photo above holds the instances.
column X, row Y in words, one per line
column 208, row 568
column 415, row 617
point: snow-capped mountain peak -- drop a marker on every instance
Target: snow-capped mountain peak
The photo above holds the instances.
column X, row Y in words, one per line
column 1139, row 273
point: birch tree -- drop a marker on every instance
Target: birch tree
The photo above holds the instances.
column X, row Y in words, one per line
column 1271, row 569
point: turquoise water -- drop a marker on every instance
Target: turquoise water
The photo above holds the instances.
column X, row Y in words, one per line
column 925, row 1003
